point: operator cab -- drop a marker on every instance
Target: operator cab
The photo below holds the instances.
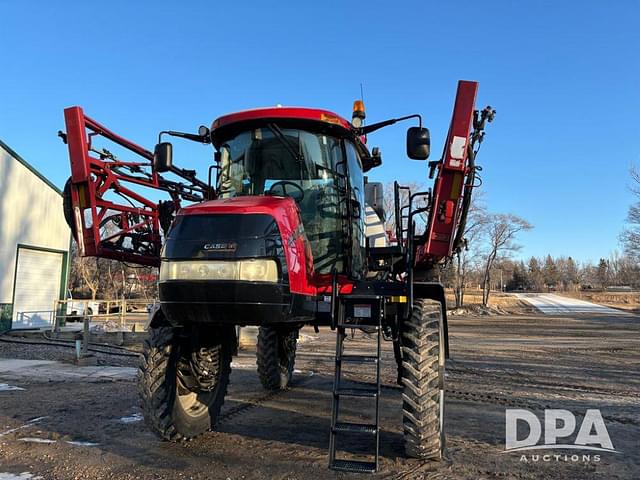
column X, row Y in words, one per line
column 315, row 163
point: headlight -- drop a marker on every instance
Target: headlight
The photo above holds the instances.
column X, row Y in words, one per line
column 255, row 270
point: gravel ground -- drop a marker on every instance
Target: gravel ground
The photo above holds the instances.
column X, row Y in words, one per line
column 498, row 362
column 61, row 354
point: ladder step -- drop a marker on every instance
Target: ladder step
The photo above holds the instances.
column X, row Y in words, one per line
column 373, row 327
column 357, row 359
column 358, row 392
column 355, row 427
column 354, row 466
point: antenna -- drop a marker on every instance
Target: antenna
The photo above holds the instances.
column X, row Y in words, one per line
column 362, row 99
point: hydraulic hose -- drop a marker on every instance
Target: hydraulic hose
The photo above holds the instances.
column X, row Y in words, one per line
column 466, row 200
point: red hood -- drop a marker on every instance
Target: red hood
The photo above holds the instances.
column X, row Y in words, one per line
column 287, row 215
column 266, row 204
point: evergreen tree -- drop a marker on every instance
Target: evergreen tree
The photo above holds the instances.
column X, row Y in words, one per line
column 602, row 273
column 550, row 272
column 572, row 274
column 535, row 274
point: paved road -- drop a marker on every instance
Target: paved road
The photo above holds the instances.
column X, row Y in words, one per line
column 551, row 304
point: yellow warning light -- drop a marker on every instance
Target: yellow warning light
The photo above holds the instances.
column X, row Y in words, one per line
column 358, row 109
column 358, row 113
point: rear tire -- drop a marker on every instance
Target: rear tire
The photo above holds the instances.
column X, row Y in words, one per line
column 182, row 384
column 276, row 356
column 423, row 381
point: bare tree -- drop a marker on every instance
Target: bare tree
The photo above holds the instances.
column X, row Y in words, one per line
column 90, row 273
column 623, row 269
column 100, row 278
column 418, row 202
column 630, row 236
column 501, row 231
column 466, row 257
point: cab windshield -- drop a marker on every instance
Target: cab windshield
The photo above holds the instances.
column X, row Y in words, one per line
column 309, row 167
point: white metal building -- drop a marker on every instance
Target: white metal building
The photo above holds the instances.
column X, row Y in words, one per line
column 34, row 244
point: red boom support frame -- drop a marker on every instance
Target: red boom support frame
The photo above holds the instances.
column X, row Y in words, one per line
column 92, row 178
column 134, row 234
column 448, row 190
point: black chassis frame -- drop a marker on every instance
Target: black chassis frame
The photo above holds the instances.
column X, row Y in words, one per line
column 273, row 305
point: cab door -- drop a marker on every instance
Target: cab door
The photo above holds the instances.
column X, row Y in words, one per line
column 357, row 211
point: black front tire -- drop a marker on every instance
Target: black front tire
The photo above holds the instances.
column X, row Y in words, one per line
column 276, row 356
column 181, row 383
column 423, row 381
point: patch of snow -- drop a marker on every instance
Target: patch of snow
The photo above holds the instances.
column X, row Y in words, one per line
column 239, row 366
column 7, row 388
column 28, row 424
column 136, row 417
column 37, row 440
column 20, row 476
column 80, row 443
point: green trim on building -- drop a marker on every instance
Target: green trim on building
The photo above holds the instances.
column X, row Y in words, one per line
column 13, row 153
column 6, row 314
column 65, row 271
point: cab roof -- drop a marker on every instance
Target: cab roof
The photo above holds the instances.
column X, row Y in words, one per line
column 228, row 124
column 281, row 113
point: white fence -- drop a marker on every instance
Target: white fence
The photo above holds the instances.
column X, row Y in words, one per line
column 110, row 315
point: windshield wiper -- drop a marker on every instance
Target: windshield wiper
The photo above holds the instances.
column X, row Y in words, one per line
column 297, row 154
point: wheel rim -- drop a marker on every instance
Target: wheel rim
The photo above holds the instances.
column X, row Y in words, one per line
column 192, row 403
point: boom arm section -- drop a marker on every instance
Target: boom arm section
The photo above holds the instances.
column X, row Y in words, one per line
column 107, row 216
column 454, row 182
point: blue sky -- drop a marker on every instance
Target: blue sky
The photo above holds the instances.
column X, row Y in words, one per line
column 563, row 76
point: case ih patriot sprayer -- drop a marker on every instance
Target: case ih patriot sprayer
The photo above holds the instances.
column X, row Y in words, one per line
column 279, row 241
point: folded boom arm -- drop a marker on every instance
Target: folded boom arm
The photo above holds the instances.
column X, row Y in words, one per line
column 454, row 183
column 107, row 216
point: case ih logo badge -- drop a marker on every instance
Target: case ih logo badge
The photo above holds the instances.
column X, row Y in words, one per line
column 524, row 431
column 220, row 247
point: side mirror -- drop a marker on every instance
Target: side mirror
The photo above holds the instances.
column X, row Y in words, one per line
column 376, row 156
column 374, row 198
column 163, row 157
column 205, row 133
column 418, row 143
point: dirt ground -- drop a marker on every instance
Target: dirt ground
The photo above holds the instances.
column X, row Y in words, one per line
column 496, row 299
column 497, row 362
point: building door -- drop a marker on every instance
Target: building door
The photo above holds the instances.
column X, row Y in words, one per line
column 37, row 287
